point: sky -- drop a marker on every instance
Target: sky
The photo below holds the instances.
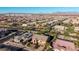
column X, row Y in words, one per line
column 38, row 9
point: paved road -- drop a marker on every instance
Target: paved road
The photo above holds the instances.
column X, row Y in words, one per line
column 6, row 38
column 4, row 47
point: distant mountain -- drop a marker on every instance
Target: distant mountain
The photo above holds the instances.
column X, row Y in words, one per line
column 28, row 14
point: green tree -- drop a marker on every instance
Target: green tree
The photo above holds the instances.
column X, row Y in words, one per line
column 37, row 44
column 76, row 43
column 47, row 47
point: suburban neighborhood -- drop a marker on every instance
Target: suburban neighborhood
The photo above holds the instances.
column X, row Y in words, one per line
column 39, row 32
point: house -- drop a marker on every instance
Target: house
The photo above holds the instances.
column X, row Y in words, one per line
column 23, row 38
column 24, row 25
column 66, row 21
column 76, row 29
column 63, row 45
column 3, row 32
column 41, row 39
column 60, row 28
column 75, row 21
column 26, row 36
column 16, row 39
column 67, row 37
